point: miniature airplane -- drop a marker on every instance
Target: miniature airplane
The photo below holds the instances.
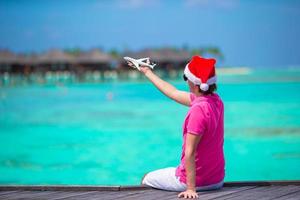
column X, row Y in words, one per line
column 140, row 62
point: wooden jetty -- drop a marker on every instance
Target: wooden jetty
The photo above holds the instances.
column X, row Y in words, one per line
column 281, row 190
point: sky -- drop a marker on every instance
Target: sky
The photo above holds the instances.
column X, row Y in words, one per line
column 254, row 33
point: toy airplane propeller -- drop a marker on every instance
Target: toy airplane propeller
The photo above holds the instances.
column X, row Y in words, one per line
column 140, row 62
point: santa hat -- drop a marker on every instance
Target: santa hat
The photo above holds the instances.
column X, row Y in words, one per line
column 201, row 71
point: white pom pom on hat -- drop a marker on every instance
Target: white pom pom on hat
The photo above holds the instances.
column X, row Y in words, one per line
column 201, row 71
column 204, row 86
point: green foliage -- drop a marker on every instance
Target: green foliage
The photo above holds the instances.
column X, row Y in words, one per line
column 73, row 51
column 114, row 53
column 212, row 51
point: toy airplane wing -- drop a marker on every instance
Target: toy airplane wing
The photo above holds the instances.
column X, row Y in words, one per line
column 143, row 59
column 140, row 62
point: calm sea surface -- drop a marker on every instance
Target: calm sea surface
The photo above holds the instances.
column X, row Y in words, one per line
column 113, row 133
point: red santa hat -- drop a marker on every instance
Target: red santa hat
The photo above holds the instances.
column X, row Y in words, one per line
column 201, row 71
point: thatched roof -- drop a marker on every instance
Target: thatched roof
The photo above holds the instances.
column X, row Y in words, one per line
column 8, row 57
column 161, row 55
column 55, row 56
column 93, row 56
column 26, row 59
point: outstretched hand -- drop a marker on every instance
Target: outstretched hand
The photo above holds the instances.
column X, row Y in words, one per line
column 143, row 69
column 188, row 194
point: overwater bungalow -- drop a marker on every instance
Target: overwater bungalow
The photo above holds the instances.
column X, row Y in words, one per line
column 9, row 62
column 28, row 62
column 93, row 60
column 54, row 60
column 93, row 65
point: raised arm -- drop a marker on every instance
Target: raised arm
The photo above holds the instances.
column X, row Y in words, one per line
column 166, row 88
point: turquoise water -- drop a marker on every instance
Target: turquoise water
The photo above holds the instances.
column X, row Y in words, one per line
column 113, row 133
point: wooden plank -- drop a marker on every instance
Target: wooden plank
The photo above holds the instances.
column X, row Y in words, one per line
column 19, row 195
column 11, row 194
column 123, row 194
column 217, row 193
column 55, row 194
column 139, row 195
column 135, row 187
column 59, row 188
column 269, row 192
column 227, row 191
column 43, row 195
column 7, row 192
column 72, row 194
column 261, row 183
column 105, row 195
column 251, row 191
column 142, row 195
column 27, row 195
column 83, row 195
column 290, row 196
column 159, row 194
column 52, row 194
column 97, row 194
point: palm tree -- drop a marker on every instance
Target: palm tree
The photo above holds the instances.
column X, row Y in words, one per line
column 214, row 51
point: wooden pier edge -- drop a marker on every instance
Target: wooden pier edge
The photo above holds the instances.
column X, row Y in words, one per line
column 134, row 187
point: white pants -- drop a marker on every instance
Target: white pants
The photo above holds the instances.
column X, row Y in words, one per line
column 165, row 179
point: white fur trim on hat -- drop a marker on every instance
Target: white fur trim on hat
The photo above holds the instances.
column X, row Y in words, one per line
column 197, row 81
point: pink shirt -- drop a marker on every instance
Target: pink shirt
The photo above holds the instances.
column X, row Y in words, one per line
column 205, row 117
